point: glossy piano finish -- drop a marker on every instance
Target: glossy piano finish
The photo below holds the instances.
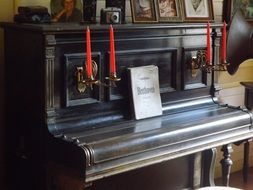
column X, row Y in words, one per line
column 94, row 133
column 159, row 139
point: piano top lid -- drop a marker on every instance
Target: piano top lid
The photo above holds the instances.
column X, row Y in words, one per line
column 155, row 133
column 77, row 27
column 122, row 147
column 118, row 140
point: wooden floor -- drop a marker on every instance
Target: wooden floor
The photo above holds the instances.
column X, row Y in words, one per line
column 236, row 180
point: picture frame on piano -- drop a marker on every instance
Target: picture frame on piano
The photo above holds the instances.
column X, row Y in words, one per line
column 198, row 10
column 143, row 11
column 66, row 10
column 169, row 10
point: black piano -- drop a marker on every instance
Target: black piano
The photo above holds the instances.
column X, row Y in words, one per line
column 60, row 138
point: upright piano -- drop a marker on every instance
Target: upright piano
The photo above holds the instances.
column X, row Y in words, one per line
column 61, row 136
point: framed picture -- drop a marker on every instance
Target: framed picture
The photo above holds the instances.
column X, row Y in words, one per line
column 198, row 10
column 169, row 10
column 231, row 6
column 66, row 10
column 143, row 11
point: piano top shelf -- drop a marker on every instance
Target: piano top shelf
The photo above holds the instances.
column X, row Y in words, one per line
column 77, row 27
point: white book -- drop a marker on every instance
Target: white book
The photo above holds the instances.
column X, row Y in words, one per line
column 145, row 91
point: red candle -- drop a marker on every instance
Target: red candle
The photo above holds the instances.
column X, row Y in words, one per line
column 112, row 52
column 88, row 54
column 208, row 44
column 224, row 43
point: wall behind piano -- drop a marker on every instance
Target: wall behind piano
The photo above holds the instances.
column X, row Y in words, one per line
column 233, row 92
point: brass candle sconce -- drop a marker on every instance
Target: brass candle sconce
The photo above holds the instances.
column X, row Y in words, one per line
column 203, row 59
column 113, row 79
column 200, row 62
column 83, row 82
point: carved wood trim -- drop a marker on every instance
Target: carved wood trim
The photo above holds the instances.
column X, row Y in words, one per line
column 71, row 96
column 49, row 78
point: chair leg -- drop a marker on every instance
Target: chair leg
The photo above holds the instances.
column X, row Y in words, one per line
column 246, row 161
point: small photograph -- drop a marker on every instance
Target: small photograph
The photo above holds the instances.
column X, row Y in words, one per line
column 198, row 10
column 143, row 11
column 169, row 11
column 66, row 10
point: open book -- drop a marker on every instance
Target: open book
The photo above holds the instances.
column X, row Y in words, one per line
column 145, row 91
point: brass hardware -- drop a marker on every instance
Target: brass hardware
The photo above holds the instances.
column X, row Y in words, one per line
column 199, row 62
column 194, row 66
column 113, row 79
column 81, row 87
column 222, row 66
column 89, row 82
column 83, row 81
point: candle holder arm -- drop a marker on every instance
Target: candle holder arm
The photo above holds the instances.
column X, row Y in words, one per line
column 113, row 79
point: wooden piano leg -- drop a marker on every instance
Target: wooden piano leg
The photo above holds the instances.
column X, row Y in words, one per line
column 226, row 163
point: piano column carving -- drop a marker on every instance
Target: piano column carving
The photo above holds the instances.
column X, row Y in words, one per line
column 49, row 64
column 49, row 75
column 226, row 163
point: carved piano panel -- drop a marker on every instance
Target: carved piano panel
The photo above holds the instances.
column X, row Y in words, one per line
column 165, row 59
column 192, row 79
column 93, row 133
